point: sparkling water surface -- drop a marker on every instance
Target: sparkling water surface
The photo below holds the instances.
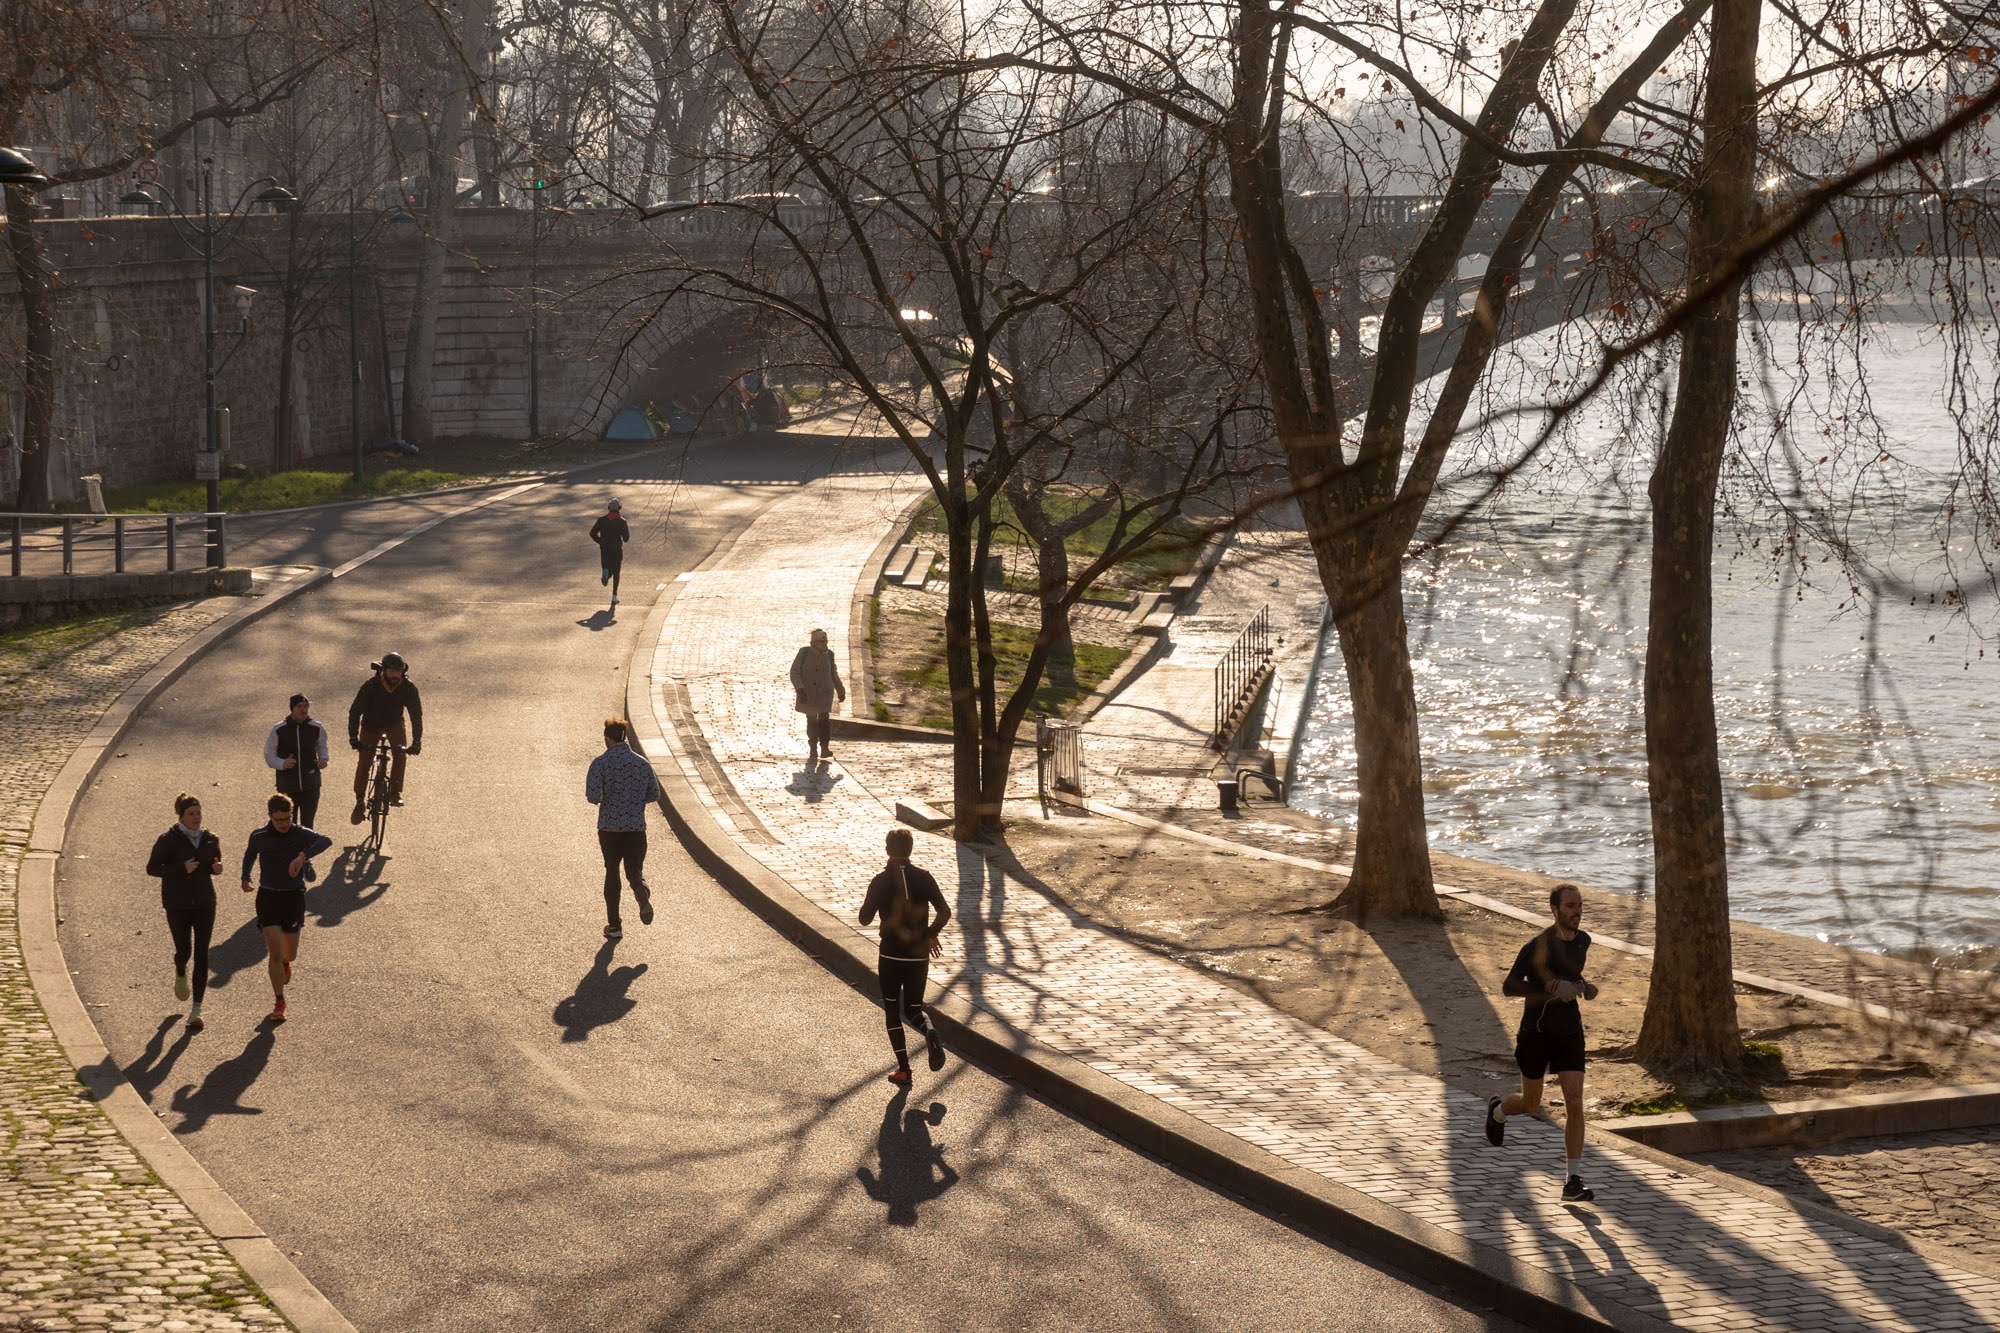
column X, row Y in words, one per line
column 1860, row 732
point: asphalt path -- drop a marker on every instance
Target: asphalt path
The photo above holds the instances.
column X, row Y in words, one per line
column 482, row 1115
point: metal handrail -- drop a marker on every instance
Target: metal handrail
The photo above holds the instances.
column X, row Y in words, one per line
column 1237, row 672
column 63, row 541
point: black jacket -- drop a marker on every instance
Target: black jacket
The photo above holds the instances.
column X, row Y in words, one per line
column 171, row 852
column 270, row 853
column 304, row 741
column 611, row 532
column 378, row 708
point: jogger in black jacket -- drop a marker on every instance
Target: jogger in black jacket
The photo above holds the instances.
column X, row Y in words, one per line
column 186, row 859
column 280, row 852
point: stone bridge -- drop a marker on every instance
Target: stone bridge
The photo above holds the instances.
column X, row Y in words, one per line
column 129, row 342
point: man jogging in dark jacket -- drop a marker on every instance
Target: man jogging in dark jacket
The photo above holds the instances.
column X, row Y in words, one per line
column 296, row 750
column 280, row 851
column 610, row 532
column 1548, row 975
column 377, row 711
column 905, row 897
column 186, row 859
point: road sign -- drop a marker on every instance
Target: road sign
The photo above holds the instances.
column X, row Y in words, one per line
column 207, row 466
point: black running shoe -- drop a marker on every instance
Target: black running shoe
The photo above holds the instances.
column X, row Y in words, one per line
column 936, row 1046
column 645, row 907
column 1575, row 1191
column 1496, row 1129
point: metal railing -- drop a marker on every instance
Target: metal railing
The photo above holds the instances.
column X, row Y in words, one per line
column 1239, row 673
column 75, row 544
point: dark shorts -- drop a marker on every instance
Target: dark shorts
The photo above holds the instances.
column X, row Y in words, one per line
column 281, row 908
column 1555, row 1053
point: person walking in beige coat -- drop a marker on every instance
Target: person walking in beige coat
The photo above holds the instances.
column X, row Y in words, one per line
column 815, row 685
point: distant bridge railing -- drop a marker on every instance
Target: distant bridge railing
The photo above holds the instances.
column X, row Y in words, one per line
column 49, row 544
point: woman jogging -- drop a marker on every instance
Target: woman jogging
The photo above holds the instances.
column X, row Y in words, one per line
column 186, row 859
column 904, row 896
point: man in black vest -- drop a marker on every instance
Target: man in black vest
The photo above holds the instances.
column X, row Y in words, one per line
column 296, row 749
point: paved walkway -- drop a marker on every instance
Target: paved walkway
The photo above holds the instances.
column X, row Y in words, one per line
column 1147, row 750
column 88, row 1237
column 1683, row 1248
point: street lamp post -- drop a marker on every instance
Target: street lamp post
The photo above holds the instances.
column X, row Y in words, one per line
column 354, row 242
column 535, row 315
column 207, row 232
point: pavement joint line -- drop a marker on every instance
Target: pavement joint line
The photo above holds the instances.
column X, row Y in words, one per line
column 289, row 1291
column 1160, row 1035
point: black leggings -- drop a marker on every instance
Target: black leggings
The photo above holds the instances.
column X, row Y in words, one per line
column 630, row 847
column 903, row 982
column 191, row 927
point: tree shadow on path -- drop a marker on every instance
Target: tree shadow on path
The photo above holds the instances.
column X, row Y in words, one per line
column 600, row 997
column 913, row 1168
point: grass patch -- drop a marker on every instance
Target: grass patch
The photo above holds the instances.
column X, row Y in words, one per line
column 1156, row 564
column 1662, row 1103
column 1763, row 1053
column 912, row 659
column 30, row 647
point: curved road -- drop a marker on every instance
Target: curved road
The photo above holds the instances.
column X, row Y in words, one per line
column 482, row 1115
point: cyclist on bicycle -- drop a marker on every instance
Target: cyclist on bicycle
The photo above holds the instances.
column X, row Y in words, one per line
column 377, row 711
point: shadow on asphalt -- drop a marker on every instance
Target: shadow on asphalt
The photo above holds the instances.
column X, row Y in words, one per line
column 353, row 881
column 221, row 1093
column 150, row 1070
column 600, row 997
column 913, row 1168
column 599, row 620
column 239, row 953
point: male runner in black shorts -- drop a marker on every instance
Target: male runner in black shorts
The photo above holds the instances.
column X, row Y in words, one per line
column 904, row 895
column 1548, row 974
column 280, row 851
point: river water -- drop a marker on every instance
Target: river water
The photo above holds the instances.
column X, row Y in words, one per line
column 1860, row 731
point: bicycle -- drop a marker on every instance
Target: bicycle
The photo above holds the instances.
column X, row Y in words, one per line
column 378, row 800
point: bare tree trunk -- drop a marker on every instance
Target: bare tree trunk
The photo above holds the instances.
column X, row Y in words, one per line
column 966, row 788
column 440, row 234
column 1391, row 851
column 38, row 371
column 1690, row 1024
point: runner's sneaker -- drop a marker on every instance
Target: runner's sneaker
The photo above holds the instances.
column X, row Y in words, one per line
column 645, row 906
column 901, row 1076
column 277, row 1014
column 181, row 991
column 194, row 1023
column 613, row 933
column 1575, row 1191
column 1496, row 1128
column 397, row 800
column 936, row 1045
column 614, row 599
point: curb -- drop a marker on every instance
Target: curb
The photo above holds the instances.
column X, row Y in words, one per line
column 1319, row 1205
column 290, row 1292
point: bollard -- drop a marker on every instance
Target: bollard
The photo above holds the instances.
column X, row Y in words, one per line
column 1225, row 790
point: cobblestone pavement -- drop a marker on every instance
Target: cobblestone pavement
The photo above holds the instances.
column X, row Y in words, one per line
column 1660, row 1241
column 1942, row 1186
column 88, row 1237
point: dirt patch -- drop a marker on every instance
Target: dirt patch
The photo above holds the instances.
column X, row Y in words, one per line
column 1427, row 994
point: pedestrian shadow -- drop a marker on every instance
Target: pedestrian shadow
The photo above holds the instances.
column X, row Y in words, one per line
column 600, row 997
column 353, row 881
column 221, row 1093
column 241, row 951
column 154, row 1063
column 813, row 782
column 598, row 620
column 913, row 1168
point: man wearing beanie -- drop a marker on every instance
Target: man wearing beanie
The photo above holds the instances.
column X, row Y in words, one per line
column 296, row 749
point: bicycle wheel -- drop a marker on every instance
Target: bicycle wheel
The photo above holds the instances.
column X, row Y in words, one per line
column 378, row 813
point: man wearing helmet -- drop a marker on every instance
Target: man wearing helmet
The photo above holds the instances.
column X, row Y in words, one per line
column 377, row 711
